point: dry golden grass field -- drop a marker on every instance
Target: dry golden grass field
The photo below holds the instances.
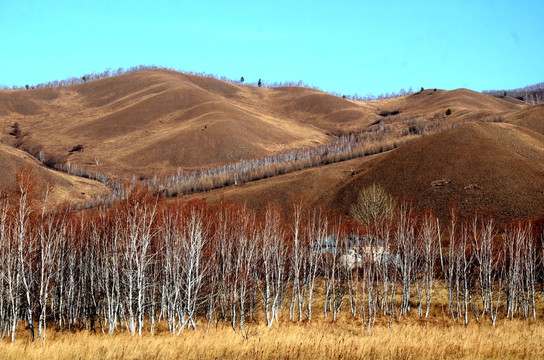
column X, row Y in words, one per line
column 404, row 337
column 345, row 339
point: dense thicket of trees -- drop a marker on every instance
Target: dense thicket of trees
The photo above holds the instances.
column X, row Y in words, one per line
column 144, row 260
column 246, row 170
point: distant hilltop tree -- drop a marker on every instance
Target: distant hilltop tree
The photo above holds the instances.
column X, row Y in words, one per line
column 242, row 79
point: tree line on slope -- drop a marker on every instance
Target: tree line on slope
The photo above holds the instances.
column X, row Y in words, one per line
column 383, row 135
column 145, row 261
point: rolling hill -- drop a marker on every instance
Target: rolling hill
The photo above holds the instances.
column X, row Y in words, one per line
column 151, row 123
column 63, row 187
column 489, row 166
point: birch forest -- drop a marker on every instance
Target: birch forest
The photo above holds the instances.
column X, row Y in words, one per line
column 146, row 260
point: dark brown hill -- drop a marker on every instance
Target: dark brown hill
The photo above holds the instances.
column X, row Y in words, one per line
column 480, row 165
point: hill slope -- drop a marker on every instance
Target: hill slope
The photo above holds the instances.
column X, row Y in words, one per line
column 466, row 105
column 484, row 165
column 64, row 187
column 153, row 122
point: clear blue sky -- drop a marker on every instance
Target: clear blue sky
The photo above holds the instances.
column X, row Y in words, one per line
column 344, row 46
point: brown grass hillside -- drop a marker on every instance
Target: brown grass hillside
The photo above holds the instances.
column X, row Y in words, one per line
column 466, row 105
column 479, row 165
column 153, row 122
column 63, row 187
column 530, row 117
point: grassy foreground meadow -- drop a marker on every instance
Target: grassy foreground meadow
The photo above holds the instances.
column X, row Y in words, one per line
column 437, row 338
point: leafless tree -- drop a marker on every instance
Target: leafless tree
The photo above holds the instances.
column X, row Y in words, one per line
column 329, row 266
column 370, row 290
column 25, row 241
column 10, row 279
column 373, row 202
column 297, row 259
column 429, row 238
column 522, row 256
column 489, row 264
column 341, row 268
column 50, row 235
column 405, row 239
column 459, row 270
column 193, row 267
column 136, row 237
column 235, row 238
column 273, row 256
column 171, row 293
column 316, row 230
column 514, row 241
